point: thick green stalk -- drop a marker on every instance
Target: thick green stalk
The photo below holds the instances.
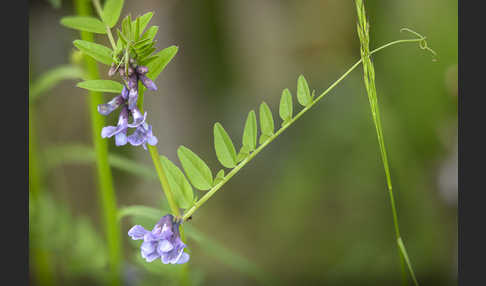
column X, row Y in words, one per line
column 41, row 260
column 369, row 80
column 105, row 180
column 235, row 170
column 154, row 153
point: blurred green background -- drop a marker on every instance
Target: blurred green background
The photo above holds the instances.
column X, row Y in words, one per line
column 312, row 208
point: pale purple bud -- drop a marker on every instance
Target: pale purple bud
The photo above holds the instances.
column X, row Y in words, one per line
column 149, row 84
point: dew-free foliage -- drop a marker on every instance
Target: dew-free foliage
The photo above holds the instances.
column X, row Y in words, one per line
column 225, row 150
column 162, row 59
column 179, row 185
column 101, row 85
column 219, row 177
column 250, row 132
column 266, row 122
column 196, row 169
column 96, row 51
column 84, row 23
column 303, row 92
column 286, row 107
column 111, row 12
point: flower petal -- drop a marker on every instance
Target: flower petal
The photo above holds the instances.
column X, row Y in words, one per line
column 107, row 108
column 183, row 259
column 121, row 138
column 149, row 84
column 165, row 246
column 138, row 118
column 137, row 232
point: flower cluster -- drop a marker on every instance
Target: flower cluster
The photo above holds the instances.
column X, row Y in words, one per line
column 128, row 102
column 162, row 242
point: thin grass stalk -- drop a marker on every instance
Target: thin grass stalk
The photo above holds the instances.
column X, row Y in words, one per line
column 105, row 180
column 369, row 81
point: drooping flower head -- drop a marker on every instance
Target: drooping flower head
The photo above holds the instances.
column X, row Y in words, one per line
column 162, row 242
column 128, row 100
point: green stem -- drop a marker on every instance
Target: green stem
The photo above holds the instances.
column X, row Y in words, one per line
column 154, row 153
column 97, row 5
column 41, row 260
column 235, row 170
column 105, row 180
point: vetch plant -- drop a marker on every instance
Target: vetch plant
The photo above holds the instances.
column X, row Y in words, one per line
column 132, row 58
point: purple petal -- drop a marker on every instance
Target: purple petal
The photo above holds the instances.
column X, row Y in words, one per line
column 107, row 108
column 141, row 70
column 183, row 259
column 149, row 84
column 147, row 247
column 150, row 257
column 132, row 99
column 137, row 232
column 121, row 138
column 133, row 82
column 109, row 131
column 138, row 118
column 124, row 93
column 164, row 246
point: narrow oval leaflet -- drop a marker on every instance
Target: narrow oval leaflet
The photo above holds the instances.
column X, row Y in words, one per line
column 196, row 169
column 303, row 92
column 225, row 150
column 98, row 52
column 250, row 131
column 178, row 183
column 84, row 23
column 286, row 108
column 101, row 85
column 266, row 120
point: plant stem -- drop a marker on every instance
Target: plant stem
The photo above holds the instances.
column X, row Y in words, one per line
column 40, row 256
column 369, row 81
column 105, row 180
column 154, row 153
column 235, row 170
column 97, row 5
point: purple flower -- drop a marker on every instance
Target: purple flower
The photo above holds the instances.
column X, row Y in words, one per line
column 162, row 242
column 142, row 135
column 120, row 131
column 147, row 82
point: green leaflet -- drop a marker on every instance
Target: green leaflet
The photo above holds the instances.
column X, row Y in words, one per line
column 196, row 169
column 150, row 34
column 303, row 92
column 179, row 185
column 266, row 122
column 219, row 177
column 286, row 107
column 144, row 20
column 84, row 23
column 156, row 66
column 101, row 85
column 52, row 77
column 127, row 27
column 244, row 152
column 250, row 132
column 112, row 11
column 225, row 150
column 96, row 51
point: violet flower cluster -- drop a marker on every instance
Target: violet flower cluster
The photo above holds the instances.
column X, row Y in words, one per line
column 164, row 241
column 127, row 100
